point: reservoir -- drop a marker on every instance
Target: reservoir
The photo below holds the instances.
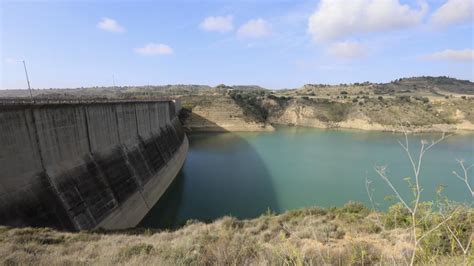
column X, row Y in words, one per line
column 247, row 174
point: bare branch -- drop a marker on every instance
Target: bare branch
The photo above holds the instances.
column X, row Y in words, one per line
column 381, row 173
column 370, row 193
column 416, row 168
column 433, row 143
column 465, row 177
column 436, row 227
column 458, row 241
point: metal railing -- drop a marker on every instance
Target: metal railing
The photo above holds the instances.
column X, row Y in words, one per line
column 46, row 101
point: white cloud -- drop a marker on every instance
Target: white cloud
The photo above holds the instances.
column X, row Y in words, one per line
column 11, row 60
column 154, row 49
column 335, row 19
column 111, row 25
column 452, row 55
column 255, row 28
column 219, row 24
column 453, row 12
column 347, row 50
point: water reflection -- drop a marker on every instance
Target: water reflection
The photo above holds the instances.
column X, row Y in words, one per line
column 209, row 186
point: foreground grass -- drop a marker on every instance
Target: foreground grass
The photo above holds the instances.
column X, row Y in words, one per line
column 335, row 236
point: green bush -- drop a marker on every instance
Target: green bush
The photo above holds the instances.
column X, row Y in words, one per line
column 397, row 216
column 352, row 212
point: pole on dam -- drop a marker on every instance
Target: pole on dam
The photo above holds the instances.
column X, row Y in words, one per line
column 28, row 81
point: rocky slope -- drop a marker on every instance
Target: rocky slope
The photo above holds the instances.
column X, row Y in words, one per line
column 243, row 111
column 220, row 113
column 373, row 114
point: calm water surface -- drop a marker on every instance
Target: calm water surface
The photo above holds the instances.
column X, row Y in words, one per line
column 245, row 174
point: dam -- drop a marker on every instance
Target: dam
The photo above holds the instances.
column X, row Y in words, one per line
column 86, row 165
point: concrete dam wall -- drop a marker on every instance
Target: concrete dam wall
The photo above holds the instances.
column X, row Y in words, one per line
column 83, row 166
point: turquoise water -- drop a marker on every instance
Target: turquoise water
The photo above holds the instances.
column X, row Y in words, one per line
column 245, row 174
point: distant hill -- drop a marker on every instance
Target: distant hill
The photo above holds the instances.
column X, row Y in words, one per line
column 440, row 84
column 436, row 85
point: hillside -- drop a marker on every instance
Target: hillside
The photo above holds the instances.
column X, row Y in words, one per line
column 220, row 113
column 438, row 84
column 372, row 113
column 426, row 103
column 351, row 235
column 357, row 109
column 434, row 85
column 421, row 86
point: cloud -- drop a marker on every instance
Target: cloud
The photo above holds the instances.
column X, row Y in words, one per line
column 219, row 24
column 336, row 19
column 154, row 49
column 453, row 12
column 111, row 25
column 347, row 50
column 306, row 65
column 255, row 28
column 11, row 60
column 452, row 55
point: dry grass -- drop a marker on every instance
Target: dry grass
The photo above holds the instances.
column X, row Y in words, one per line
column 314, row 236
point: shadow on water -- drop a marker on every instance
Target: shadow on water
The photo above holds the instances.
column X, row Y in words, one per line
column 206, row 188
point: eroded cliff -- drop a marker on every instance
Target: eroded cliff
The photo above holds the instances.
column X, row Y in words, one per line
column 258, row 110
column 221, row 113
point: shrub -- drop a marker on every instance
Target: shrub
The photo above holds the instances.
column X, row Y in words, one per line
column 363, row 253
column 273, row 97
column 397, row 216
column 344, row 92
column 135, row 250
column 355, row 207
column 231, row 223
column 188, row 106
column 404, row 98
column 352, row 212
column 329, row 231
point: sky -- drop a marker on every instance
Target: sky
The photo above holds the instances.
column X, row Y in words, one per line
column 274, row 44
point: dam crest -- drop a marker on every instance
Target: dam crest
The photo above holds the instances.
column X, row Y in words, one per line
column 85, row 165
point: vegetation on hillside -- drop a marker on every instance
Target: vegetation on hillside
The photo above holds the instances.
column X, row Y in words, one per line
column 435, row 85
column 350, row 235
column 389, row 111
column 251, row 103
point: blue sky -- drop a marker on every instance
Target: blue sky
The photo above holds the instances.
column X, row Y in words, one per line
column 275, row 44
